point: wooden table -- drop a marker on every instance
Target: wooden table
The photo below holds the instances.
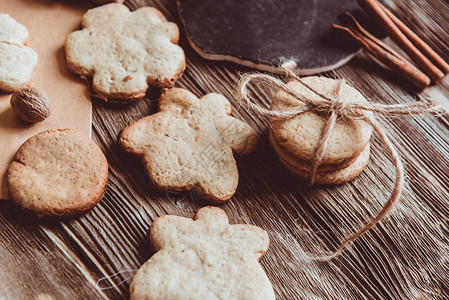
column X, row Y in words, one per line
column 405, row 257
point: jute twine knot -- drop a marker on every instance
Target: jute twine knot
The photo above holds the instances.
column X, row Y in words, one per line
column 334, row 108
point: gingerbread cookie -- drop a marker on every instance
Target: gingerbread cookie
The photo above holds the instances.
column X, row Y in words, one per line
column 57, row 173
column 296, row 139
column 17, row 61
column 125, row 52
column 189, row 144
column 203, row 258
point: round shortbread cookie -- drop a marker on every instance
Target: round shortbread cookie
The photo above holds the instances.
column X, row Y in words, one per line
column 305, row 165
column 17, row 61
column 17, row 66
column 333, row 177
column 57, row 173
column 300, row 135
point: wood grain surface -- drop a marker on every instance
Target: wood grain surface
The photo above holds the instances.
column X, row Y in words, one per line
column 405, row 257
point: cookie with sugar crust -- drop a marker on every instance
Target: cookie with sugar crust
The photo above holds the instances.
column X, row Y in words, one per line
column 125, row 52
column 203, row 258
column 189, row 144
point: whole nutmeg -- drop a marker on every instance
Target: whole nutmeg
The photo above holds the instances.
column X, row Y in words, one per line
column 31, row 104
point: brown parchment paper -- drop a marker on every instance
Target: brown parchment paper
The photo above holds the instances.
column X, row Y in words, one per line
column 48, row 22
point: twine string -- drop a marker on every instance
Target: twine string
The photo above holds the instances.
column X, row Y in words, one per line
column 392, row 200
column 101, row 286
column 335, row 108
column 350, row 110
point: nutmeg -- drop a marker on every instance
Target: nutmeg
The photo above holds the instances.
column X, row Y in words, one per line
column 31, row 104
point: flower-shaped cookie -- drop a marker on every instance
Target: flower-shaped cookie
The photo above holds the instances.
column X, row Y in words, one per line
column 17, row 61
column 189, row 143
column 204, row 258
column 125, row 52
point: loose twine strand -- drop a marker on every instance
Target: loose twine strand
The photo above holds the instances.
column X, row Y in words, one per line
column 99, row 284
column 336, row 108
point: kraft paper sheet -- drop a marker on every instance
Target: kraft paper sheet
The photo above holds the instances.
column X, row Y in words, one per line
column 48, row 22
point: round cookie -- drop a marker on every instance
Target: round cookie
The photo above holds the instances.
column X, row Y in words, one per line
column 333, row 177
column 305, row 165
column 57, row 173
column 301, row 134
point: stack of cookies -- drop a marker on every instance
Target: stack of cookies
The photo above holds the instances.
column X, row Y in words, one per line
column 296, row 139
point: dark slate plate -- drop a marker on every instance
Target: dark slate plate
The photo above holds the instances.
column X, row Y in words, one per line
column 263, row 33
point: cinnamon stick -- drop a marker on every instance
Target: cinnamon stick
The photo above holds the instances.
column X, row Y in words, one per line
column 382, row 53
column 418, row 42
column 373, row 8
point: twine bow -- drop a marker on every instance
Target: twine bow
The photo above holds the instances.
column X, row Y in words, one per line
column 335, row 108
